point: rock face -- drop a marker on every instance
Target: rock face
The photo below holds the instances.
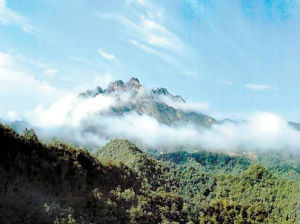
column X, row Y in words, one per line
column 295, row 125
column 133, row 97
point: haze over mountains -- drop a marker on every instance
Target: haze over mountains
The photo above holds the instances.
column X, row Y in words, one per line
column 158, row 103
column 47, row 180
column 58, row 183
column 208, row 132
column 155, row 118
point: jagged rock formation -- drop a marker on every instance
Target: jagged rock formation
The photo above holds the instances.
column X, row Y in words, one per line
column 143, row 101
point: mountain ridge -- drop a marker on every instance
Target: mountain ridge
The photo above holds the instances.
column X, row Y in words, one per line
column 149, row 102
column 58, row 183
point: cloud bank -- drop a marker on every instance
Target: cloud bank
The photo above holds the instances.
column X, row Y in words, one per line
column 90, row 122
column 106, row 55
column 199, row 107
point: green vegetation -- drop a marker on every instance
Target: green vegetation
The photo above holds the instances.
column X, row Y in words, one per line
column 281, row 164
column 215, row 187
column 58, row 183
column 208, row 161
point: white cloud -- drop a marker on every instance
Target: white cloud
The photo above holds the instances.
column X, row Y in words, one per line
column 9, row 17
column 70, row 110
column 87, row 121
column 149, row 9
column 153, row 33
column 90, row 121
column 51, row 71
column 259, row 87
column 147, row 131
column 103, row 80
column 5, row 60
column 8, row 76
column 73, row 117
column 199, row 107
column 147, row 49
column 23, row 89
column 152, row 51
column 11, row 115
column 106, row 55
column 147, row 31
column 158, row 35
column 260, row 131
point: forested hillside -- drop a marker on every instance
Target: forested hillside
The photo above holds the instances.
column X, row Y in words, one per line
column 216, row 187
column 58, row 183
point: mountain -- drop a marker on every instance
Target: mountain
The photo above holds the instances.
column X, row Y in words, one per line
column 59, row 183
column 39, row 182
column 209, row 161
column 213, row 185
column 295, row 125
column 158, row 103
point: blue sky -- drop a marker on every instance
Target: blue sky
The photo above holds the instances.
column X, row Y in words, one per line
column 237, row 56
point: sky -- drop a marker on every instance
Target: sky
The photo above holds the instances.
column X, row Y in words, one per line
column 236, row 56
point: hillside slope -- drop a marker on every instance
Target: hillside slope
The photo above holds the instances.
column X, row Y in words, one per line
column 58, row 183
column 217, row 188
column 41, row 184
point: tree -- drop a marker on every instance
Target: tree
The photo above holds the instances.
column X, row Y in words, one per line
column 29, row 134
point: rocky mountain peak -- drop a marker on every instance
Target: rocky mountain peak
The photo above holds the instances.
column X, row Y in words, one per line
column 157, row 103
column 134, row 80
column 134, row 83
column 161, row 91
column 164, row 92
column 99, row 89
column 92, row 93
column 116, row 85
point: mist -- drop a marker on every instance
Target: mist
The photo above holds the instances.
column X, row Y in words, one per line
column 88, row 122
